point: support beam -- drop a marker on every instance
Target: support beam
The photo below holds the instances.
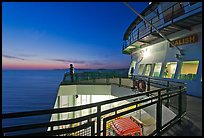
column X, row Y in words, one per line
column 174, row 27
column 182, row 27
column 143, row 42
column 156, row 35
column 167, row 29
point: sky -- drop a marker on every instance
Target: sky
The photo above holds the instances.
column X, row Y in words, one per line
column 52, row 35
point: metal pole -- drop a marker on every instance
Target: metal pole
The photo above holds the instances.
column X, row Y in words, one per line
column 119, row 81
column 180, row 102
column 148, row 84
column 167, row 91
column 128, row 5
column 159, row 114
column 98, row 120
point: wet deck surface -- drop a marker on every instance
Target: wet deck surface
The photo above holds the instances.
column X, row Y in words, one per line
column 191, row 124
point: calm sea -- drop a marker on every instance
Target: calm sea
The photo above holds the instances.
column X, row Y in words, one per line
column 28, row 90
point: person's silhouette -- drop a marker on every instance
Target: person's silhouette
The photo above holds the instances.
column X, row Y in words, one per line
column 71, row 72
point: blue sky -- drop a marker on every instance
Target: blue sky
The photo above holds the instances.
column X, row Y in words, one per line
column 50, row 35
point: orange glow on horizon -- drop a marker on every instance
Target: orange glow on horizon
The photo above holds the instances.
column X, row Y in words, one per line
column 16, row 64
column 31, row 64
column 40, row 64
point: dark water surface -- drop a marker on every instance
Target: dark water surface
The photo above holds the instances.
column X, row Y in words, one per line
column 29, row 90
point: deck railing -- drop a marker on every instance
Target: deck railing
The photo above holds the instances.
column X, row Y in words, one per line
column 85, row 76
column 172, row 95
column 160, row 20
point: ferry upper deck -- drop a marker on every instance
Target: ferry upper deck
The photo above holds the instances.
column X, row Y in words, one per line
column 80, row 109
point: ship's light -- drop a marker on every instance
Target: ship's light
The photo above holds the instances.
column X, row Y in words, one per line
column 146, row 53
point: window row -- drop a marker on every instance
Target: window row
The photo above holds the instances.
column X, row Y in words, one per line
column 188, row 70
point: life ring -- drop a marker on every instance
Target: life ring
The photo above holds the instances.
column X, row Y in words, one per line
column 141, row 85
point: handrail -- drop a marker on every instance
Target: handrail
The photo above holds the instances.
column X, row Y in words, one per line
column 133, row 35
column 152, row 26
column 167, row 15
column 153, row 100
column 161, row 79
column 72, row 109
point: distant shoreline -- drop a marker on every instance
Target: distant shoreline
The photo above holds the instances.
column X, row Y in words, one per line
column 57, row 69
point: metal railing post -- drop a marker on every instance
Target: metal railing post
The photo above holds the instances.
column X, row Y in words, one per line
column 92, row 128
column 167, row 91
column 58, row 104
column 119, row 81
column 172, row 16
column 159, row 114
column 98, row 120
column 148, row 84
column 77, row 78
column 180, row 102
column 107, row 80
column 51, row 128
column 104, row 127
column 64, row 78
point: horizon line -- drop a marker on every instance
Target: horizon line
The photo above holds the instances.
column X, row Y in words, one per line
column 68, row 68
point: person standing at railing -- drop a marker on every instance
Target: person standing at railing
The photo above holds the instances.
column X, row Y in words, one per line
column 71, row 72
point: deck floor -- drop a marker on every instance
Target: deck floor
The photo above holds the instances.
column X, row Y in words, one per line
column 191, row 124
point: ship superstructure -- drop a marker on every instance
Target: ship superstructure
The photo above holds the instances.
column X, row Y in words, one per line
column 152, row 55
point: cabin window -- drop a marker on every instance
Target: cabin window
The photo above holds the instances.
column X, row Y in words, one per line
column 63, row 103
column 157, row 69
column 170, row 70
column 148, row 69
column 141, row 69
column 188, row 70
column 132, row 68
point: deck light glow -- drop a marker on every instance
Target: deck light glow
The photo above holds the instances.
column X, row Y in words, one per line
column 146, row 53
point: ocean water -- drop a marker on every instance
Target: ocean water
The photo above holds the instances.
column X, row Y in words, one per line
column 28, row 90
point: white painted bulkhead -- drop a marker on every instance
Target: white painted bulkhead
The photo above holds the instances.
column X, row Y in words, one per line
column 161, row 52
column 66, row 98
column 84, row 90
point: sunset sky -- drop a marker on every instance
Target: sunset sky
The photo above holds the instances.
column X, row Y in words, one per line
column 51, row 35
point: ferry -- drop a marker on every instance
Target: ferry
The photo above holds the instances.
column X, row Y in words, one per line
column 180, row 58
column 166, row 57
